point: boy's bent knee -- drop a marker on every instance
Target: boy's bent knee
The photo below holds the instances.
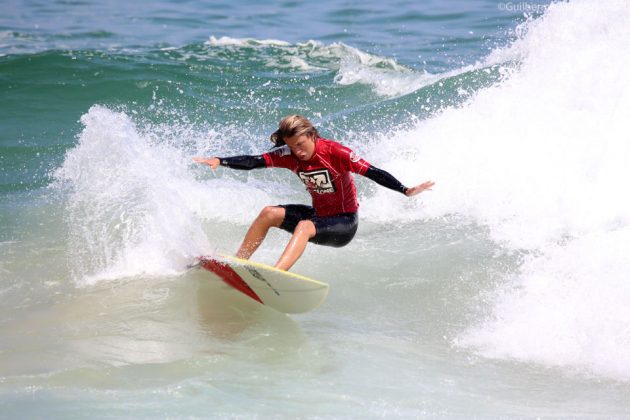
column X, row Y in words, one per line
column 306, row 227
column 273, row 215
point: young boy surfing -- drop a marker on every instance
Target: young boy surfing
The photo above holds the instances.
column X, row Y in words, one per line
column 325, row 167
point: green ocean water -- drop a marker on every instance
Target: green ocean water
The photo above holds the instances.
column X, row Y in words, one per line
column 501, row 293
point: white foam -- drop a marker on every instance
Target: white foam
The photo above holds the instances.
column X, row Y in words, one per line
column 541, row 158
column 568, row 307
column 244, row 42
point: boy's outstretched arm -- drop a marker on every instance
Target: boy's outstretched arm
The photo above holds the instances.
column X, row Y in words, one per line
column 387, row 180
column 235, row 162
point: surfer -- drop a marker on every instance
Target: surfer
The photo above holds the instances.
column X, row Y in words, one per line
column 325, row 167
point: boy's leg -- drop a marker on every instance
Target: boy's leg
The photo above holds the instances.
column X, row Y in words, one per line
column 304, row 231
column 270, row 216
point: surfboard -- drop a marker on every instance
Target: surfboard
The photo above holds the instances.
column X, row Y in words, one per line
column 278, row 289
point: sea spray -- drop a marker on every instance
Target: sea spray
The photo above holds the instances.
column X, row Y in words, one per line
column 127, row 211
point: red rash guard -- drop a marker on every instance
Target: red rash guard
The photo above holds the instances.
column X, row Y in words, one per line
column 326, row 175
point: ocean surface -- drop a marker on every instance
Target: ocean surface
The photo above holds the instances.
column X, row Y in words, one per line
column 504, row 292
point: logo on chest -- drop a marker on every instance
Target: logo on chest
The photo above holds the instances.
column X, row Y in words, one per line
column 318, row 181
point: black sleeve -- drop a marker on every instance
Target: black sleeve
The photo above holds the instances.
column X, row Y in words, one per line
column 243, row 162
column 385, row 179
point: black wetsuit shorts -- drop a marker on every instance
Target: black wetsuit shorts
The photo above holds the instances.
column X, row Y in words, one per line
column 337, row 230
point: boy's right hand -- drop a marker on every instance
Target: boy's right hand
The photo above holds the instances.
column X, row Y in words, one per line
column 211, row 162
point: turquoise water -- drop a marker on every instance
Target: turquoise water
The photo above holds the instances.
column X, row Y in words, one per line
column 503, row 292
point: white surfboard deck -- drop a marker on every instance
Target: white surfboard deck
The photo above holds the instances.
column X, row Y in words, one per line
column 281, row 290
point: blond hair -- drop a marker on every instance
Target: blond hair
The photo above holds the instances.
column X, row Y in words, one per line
column 293, row 125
